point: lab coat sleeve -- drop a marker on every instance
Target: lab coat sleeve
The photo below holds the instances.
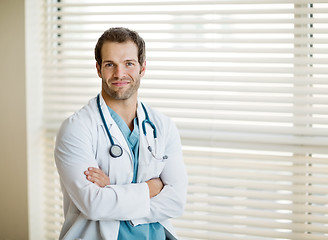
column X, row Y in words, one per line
column 170, row 202
column 73, row 155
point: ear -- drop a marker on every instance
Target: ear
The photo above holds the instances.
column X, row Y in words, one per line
column 98, row 70
column 143, row 69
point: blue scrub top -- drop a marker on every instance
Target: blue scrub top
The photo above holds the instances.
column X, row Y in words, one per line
column 143, row 231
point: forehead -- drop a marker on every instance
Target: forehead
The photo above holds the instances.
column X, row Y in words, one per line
column 114, row 51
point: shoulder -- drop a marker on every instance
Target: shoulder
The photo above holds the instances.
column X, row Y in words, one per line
column 167, row 132
column 156, row 115
column 161, row 121
column 81, row 121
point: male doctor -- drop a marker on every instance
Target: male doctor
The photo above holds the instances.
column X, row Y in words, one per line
column 127, row 187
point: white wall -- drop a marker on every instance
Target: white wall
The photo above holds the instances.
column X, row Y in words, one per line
column 34, row 103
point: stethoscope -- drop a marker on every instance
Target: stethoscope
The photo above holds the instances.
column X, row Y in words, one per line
column 116, row 150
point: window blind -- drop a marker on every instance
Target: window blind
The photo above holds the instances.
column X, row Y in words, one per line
column 246, row 84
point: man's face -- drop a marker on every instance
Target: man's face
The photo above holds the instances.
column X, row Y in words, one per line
column 120, row 70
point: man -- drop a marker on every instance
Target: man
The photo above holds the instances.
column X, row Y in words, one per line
column 119, row 161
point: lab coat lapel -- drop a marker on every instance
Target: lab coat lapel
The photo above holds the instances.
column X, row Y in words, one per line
column 144, row 155
column 116, row 133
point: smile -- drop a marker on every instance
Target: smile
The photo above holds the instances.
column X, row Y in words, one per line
column 120, row 83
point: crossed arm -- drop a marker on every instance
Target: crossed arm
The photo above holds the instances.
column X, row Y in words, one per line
column 98, row 177
column 160, row 199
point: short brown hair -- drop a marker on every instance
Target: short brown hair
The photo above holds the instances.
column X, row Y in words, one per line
column 121, row 35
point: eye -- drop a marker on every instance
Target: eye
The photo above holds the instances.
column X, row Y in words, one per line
column 109, row 65
column 130, row 64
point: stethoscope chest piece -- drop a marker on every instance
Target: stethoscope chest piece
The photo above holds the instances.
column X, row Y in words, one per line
column 115, row 151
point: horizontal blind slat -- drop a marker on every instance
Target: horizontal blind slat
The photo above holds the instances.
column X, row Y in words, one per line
column 183, row 3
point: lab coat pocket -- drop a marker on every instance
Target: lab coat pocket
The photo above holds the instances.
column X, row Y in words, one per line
column 158, row 167
column 120, row 169
column 151, row 170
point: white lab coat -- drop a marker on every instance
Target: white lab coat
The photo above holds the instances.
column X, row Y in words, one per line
column 92, row 212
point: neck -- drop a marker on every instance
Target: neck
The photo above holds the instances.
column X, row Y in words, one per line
column 126, row 109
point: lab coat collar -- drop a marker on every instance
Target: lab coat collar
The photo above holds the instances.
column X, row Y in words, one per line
column 140, row 114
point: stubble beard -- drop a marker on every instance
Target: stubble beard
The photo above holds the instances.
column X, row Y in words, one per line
column 121, row 94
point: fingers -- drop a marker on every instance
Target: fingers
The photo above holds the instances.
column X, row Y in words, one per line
column 97, row 176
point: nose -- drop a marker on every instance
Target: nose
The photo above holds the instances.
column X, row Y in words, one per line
column 119, row 72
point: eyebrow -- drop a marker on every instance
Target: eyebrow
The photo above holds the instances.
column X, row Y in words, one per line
column 127, row 60
column 130, row 60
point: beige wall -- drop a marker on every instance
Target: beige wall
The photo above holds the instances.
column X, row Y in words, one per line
column 13, row 143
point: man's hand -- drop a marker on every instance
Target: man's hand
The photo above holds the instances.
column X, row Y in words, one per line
column 155, row 186
column 97, row 176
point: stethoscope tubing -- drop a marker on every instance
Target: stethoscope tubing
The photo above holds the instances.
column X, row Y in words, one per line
column 104, row 121
column 116, row 150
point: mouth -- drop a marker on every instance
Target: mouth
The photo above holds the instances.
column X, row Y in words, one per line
column 120, row 83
